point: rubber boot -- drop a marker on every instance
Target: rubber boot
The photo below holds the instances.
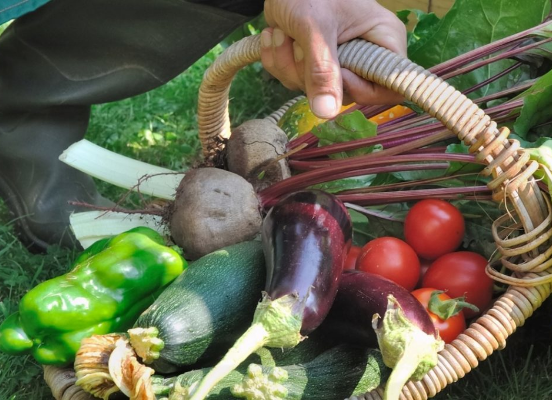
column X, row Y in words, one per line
column 69, row 54
column 37, row 187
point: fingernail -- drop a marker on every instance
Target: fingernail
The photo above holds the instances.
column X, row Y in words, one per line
column 298, row 54
column 324, row 106
column 266, row 38
column 278, row 37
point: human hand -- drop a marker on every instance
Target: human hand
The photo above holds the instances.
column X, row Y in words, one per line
column 300, row 49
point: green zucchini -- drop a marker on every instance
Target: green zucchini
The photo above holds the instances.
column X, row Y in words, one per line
column 204, row 311
column 315, row 344
column 340, row 372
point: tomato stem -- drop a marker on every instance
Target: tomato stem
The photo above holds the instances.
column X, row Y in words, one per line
column 445, row 309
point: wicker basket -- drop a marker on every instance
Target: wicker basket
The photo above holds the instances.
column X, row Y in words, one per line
column 528, row 254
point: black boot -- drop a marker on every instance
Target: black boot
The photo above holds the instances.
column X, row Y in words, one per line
column 69, row 54
column 37, row 187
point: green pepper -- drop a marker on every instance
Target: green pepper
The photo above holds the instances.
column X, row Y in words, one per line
column 110, row 284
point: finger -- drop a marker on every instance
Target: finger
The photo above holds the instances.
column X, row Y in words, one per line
column 322, row 71
column 388, row 32
column 299, row 56
column 368, row 93
column 267, row 56
column 347, row 98
column 270, row 7
column 284, row 60
column 277, row 57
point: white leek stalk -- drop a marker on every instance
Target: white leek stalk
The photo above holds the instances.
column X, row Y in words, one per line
column 90, row 226
column 122, row 171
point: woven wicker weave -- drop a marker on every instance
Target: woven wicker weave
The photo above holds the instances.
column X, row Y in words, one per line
column 527, row 253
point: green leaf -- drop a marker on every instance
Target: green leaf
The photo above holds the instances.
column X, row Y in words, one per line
column 537, row 105
column 479, row 216
column 542, row 153
column 470, row 24
column 403, row 15
column 386, row 220
column 345, row 128
column 385, row 179
column 526, row 144
column 361, row 233
column 456, row 167
column 417, row 175
column 357, row 182
column 425, row 24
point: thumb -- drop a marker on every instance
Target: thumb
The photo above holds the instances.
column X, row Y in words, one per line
column 323, row 82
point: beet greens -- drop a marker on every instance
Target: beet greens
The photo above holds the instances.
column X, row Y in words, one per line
column 498, row 76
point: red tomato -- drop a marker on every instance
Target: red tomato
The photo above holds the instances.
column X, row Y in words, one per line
column 462, row 273
column 424, row 265
column 352, row 255
column 434, row 227
column 448, row 328
column 391, row 258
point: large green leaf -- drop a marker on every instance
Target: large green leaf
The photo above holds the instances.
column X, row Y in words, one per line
column 356, row 182
column 537, row 105
column 417, row 175
column 344, row 128
column 470, row 24
column 385, row 220
column 456, row 167
column 425, row 24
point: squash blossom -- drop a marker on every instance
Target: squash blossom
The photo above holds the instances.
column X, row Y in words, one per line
column 111, row 283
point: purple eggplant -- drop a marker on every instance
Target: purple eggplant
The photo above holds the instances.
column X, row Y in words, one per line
column 306, row 237
column 371, row 308
column 361, row 295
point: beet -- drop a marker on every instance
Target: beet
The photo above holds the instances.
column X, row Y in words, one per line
column 252, row 151
column 213, row 209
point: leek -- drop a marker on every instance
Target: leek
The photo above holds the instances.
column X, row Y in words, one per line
column 122, row 171
column 90, row 226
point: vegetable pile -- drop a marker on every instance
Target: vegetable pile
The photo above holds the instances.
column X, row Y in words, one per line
column 327, row 258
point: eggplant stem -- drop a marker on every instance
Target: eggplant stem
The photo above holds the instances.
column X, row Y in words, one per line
column 405, row 348
column 403, row 371
column 254, row 338
column 276, row 323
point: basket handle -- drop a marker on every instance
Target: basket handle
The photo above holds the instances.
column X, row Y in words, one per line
column 511, row 169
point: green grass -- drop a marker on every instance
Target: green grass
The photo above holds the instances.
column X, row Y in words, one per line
column 20, row 377
column 520, row 371
column 160, row 127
